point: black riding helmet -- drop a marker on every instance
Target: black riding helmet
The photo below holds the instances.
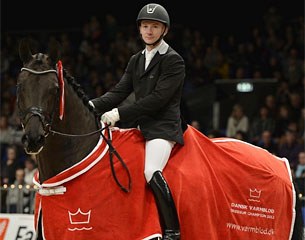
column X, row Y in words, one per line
column 154, row 11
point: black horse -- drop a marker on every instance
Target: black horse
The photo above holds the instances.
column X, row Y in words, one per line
column 62, row 130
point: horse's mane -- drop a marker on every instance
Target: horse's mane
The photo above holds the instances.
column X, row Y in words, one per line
column 79, row 91
column 53, row 47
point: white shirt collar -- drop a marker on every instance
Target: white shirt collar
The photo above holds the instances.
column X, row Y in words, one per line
column 161, row 48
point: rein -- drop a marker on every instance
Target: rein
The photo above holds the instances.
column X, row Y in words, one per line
column 76, row 135
column 112, row 152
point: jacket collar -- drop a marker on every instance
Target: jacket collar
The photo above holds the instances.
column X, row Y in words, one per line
column 161, row 48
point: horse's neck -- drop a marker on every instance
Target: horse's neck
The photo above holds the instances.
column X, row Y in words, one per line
column 61, row 152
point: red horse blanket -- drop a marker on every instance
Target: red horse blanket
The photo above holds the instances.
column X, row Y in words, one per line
column 223, row 189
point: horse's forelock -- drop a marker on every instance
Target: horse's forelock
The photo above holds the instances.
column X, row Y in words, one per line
column 39, row 57
column 40, row 62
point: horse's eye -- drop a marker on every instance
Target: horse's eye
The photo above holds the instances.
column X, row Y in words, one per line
column 55, row 91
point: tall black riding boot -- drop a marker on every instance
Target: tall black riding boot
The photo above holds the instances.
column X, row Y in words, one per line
column 166, row 207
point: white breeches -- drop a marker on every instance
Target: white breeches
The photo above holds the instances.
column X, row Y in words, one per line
column 157, row 152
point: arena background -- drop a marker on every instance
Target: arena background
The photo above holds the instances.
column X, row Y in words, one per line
column 221, row 17
column 207, row 99
column 211, row 18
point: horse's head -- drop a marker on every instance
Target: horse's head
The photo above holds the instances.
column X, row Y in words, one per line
column 37, row 94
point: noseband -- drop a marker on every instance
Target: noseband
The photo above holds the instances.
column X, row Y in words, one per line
column 44, row 116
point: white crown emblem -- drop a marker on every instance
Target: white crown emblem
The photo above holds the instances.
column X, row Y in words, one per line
column 255, row 193
column 79, row 217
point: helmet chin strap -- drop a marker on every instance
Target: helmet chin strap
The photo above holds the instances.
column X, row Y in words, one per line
column 154, row 43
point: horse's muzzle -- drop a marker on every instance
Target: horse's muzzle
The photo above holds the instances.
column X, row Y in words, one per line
column 33, row 144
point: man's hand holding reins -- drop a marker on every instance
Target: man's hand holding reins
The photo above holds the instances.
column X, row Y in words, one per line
column 111, row 117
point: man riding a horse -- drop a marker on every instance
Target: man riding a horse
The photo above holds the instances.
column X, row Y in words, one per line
column 156, row 76
column 77, row 195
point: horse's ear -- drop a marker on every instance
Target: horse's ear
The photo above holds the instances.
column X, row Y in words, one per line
column 54, row 51
column 25, row 53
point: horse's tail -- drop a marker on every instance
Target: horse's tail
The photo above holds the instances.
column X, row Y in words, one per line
column 298, row 229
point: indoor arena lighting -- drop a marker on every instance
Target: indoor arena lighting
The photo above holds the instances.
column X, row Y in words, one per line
column 244, row 87
column 13, row 186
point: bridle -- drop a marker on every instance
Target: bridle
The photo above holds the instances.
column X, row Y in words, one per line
column 44, row 116
column 46, row 120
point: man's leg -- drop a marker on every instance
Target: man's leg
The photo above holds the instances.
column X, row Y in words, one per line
column 157, row 153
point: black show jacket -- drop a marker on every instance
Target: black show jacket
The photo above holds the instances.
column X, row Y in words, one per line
column 158, row 92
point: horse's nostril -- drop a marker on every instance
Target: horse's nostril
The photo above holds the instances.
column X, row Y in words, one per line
column 29, row 141
column 24, row 138
column 40, row 140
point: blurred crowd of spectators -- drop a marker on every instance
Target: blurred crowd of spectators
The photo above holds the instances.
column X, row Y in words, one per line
column 97, row 55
